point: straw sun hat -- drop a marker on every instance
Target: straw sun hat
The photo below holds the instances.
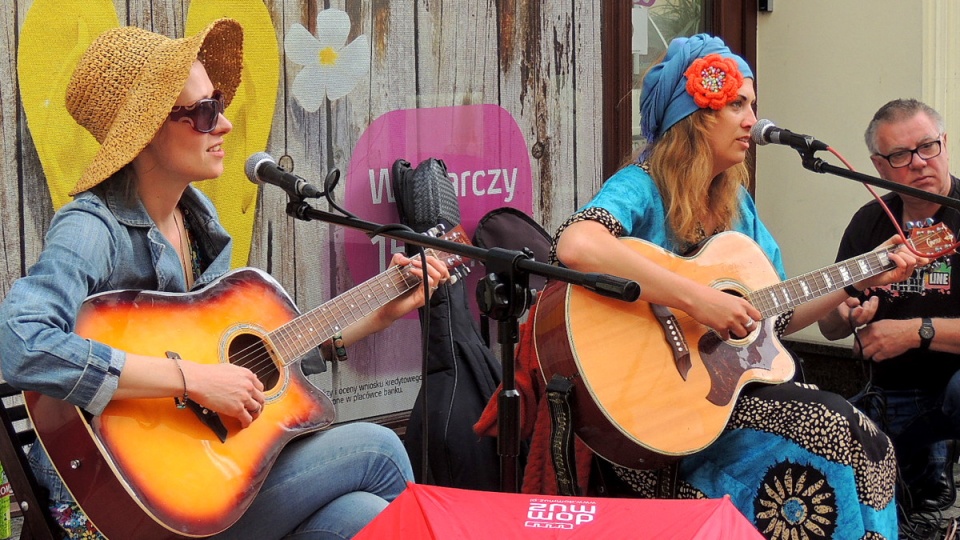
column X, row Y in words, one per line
column 128, row 80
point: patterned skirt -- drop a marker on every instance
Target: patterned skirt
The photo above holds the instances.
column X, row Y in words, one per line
column 800, row 463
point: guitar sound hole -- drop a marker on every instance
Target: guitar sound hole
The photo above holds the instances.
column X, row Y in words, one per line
column 249, row 351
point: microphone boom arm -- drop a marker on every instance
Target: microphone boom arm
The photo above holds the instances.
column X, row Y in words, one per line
column 605, row 284
column 818, row 165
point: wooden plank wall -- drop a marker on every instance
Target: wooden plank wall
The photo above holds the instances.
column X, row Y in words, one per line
column 538, row 59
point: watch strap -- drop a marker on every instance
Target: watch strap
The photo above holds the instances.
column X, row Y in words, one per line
column 926, row 323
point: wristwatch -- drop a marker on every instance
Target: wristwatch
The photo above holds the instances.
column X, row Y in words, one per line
column 926, row 333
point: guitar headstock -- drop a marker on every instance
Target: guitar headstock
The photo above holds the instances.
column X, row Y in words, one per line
column 454, row 262
column 932, row 241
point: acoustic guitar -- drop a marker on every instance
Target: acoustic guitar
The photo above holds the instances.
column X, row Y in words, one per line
column 652, row 384
column 145, row 469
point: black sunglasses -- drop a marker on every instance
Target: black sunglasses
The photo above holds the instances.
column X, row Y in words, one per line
column 203, row 114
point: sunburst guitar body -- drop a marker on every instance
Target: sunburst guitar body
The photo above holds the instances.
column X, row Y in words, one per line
column 147, row 469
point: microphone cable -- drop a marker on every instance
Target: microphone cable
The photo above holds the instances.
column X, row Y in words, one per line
column 893, row 220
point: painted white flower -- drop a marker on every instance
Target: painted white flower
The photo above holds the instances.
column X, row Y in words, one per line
column 331, row 67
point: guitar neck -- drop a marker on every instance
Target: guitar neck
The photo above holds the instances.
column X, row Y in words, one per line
column 297, row 337
column 788, row 294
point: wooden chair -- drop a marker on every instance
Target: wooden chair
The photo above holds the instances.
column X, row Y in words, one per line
column 16, row 436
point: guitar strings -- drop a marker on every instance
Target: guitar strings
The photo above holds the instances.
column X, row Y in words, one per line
column 769, row 307
column 400, row 279
column 257, row 357
column 790, row 293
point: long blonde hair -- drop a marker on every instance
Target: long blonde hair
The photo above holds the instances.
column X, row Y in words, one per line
column 681, row 163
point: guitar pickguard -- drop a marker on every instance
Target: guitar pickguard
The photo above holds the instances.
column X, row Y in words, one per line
column 727, row 362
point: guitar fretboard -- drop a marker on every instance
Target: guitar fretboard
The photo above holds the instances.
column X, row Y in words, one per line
column 788, row 294
column 303, row 333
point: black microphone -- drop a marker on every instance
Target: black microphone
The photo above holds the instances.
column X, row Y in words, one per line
column 764, row 132
column 262, row 169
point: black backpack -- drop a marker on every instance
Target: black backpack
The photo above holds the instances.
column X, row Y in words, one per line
column 462, row 373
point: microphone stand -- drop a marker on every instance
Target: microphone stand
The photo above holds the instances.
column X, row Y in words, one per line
column 504, row 295
column 818, row 165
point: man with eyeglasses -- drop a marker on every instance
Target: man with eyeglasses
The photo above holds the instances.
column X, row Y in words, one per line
column 909, row 332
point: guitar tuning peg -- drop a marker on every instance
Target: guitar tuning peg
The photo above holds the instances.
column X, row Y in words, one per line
column 458, row 273
column 928, row 222
column 909, row 226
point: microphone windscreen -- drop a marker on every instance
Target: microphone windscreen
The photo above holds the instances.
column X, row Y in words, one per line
column 758, row 131
column 253, row 163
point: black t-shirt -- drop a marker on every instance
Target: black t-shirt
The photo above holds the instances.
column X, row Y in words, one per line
column 931, row 292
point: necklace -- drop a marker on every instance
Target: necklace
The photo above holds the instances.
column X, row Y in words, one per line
column 702, row 234
column 181, row 235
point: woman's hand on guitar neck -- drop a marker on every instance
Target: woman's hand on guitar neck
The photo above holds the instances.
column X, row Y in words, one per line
column 437, row 273
column 906, row 263
column 728, row 315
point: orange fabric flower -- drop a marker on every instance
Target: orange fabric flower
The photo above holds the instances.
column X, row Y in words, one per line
column 713, row 81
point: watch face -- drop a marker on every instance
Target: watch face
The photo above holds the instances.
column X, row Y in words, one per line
column 926, row 332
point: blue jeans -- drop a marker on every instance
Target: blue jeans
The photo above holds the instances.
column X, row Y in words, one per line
column 327, row 485
column 919, row 424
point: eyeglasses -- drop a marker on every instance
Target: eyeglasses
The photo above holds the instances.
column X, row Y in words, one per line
column 903, row 158
column 203, row 114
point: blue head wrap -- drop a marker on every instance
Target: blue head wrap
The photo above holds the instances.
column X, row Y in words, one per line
column 664, row 100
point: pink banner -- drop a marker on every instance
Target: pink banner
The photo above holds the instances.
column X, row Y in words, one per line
column 487, row 160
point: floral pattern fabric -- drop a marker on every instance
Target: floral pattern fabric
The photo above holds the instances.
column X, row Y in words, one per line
column 74, row 522
column 800, row 463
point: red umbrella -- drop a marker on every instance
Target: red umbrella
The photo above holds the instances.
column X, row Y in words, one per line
column 423, row 512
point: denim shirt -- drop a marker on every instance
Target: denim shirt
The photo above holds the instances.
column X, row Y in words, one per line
column 96, row 243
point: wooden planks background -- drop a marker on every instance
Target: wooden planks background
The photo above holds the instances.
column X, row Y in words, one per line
column 539, row 60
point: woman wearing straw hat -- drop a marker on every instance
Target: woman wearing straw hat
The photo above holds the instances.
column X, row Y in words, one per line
column 798, row 462
column 156, row 106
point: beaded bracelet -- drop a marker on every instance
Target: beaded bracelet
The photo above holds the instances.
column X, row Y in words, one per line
column 338, row 347
column 181, row 401
column 852, row 291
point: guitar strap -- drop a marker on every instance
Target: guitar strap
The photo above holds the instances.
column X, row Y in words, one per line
column 667, row 481
column 559, row 390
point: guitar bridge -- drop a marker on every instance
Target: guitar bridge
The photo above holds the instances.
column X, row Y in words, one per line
column 207, row 417
column 675, row 338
